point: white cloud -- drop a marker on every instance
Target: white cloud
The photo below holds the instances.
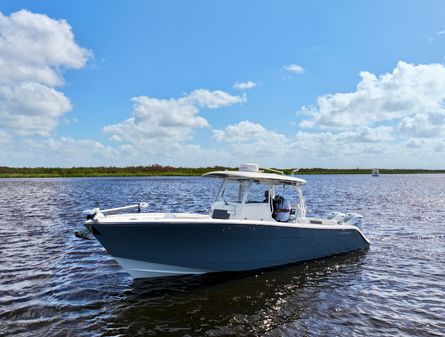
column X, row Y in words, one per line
column 388, row 120
column 346, row 150
column 211, row 99
column 34, row 49
column 161, row 123
column 294, row 68
column 38, row 39
column 440, row 146
column 416, row 143
column 64, row 151
column 70, row 121
column 31, row 108
column 360, row 140
column 407, row 91
column 249, row 141
column 372, row 135
column 244, row 85
column 158, row 131
column 362, row 135
column 246, row 131
column 426, row 148
column 242, row 132
column 4, row 137
column 68, row 152
column 429, row 125
column 252, row 141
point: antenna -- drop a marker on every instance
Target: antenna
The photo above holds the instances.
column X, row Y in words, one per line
column 273, row 170
column 295, row 170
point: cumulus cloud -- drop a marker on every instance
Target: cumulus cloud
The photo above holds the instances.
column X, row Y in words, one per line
column 407, row 91
column 63, row 151
column 394, row 115
column 424, row 125
column 4, row 137
column 244, row 85
column 31, row 108
column 211, row 99
column 416, row 143
column 361, row 139
column 34, row 49
column 252, row 141
column 246, row 131
column 294, row 68
column 164, row 122
column 423, row 148
column 68, row 152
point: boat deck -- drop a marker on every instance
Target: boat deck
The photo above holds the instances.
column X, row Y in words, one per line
column 150, row 217
column 146, row 217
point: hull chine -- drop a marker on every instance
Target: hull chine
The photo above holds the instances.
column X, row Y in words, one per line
column 191, row 247
column 143, row 269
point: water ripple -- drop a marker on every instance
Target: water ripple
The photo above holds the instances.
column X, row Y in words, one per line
column 53, row 284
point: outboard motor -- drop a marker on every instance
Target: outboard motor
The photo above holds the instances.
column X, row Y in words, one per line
column 354, row 219
column 337, row 216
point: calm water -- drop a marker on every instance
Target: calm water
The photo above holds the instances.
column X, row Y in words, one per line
column 53, row 284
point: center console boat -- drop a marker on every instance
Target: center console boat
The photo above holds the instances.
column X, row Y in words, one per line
column 239, row 233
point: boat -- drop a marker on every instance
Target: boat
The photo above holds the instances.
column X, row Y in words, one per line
column 243, row 230
column 375, row 172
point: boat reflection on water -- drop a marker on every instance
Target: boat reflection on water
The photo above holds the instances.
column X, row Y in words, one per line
column 241, row 303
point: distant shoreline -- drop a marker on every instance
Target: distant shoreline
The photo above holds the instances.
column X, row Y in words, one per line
column 158, row 170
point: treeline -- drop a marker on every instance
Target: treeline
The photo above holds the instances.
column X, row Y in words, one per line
column 159, row 170
column 133, row 171
column 318, row 170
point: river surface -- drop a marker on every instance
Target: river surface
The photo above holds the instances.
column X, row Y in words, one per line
column 54, row 284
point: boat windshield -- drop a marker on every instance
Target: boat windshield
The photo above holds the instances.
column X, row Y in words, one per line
column 233, row 191
column 243, row 191
column 252, row 191
column 257, row 193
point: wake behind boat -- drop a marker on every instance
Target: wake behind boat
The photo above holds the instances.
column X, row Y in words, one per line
column 251, row 225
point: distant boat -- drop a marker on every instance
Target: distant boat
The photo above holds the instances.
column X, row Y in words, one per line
column 375, row 172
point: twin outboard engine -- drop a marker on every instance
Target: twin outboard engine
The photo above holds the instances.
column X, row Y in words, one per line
column 353, row 219
column 337, row 216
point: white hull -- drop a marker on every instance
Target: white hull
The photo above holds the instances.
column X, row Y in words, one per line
column 142, row 269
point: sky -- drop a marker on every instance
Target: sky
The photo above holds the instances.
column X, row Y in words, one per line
column 334, row 84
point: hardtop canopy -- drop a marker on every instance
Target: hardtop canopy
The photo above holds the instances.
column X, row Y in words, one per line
column 267, row 178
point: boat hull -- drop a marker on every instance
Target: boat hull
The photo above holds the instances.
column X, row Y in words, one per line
column 175, row 248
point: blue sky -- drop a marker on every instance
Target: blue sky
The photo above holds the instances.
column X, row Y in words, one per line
column 192, row 83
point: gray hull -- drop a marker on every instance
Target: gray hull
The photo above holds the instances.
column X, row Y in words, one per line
column 171, row 248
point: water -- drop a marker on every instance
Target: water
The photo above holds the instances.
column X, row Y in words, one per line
column 53, row 284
